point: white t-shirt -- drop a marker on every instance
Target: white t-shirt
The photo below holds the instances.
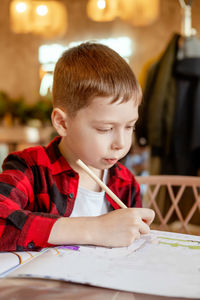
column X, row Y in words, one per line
column 90, row 203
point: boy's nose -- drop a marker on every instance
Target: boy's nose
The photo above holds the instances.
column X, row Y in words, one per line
column 118, row 143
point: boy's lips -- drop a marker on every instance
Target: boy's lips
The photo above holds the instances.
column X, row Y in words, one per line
column 111, row 160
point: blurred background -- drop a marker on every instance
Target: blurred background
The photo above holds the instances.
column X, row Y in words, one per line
column 34, row 33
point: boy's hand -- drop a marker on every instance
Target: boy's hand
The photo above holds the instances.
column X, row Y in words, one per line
column 121, row 227
column 114, row 229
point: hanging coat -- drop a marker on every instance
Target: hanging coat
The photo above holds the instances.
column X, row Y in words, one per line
column 156, row 112
column 169, row 116
column 186, row 134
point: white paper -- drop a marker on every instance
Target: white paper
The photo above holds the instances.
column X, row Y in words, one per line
column 160, row 263
column 12, row 260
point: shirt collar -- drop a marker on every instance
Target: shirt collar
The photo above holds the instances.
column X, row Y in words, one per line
column 58, row 163
column 119, row 171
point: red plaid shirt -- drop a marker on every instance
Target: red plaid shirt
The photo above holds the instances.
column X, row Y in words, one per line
column 37, row 186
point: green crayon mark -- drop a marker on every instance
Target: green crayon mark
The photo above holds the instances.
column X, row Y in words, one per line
column 194, row 247
column 180, row 240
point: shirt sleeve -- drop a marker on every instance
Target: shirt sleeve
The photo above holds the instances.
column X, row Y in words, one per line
column 20, row 227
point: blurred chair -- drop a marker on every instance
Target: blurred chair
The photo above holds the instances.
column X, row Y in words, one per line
column 175, row 200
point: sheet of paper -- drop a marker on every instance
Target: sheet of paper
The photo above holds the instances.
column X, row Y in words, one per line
column 160, row 263
column 11, row 260
column 7, row 262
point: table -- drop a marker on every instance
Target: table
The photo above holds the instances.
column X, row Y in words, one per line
column 40, row 289
column 13, row 136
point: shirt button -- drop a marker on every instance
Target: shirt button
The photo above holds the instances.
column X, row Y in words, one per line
column 20, row 248
column 31, row 245
column 71, row 195
column 71, row 174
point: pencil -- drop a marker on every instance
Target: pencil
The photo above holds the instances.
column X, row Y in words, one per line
column 101, row 183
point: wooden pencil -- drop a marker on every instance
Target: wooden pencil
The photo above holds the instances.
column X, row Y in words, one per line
column 101, row 183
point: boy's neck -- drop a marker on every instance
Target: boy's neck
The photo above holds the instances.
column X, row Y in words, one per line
column 88, row 183
column 84, row 179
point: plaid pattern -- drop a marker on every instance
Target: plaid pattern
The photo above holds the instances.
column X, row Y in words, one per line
column 37, row 186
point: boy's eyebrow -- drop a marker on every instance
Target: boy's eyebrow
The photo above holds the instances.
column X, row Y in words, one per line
column 112, row 122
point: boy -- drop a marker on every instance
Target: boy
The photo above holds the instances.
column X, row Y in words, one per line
column 45, row 198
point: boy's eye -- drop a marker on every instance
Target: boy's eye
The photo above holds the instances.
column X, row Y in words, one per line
column 131, row 127
column 104, row 129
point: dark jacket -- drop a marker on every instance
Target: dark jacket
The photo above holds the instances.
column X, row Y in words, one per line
column 170, row 114
column 186, row 134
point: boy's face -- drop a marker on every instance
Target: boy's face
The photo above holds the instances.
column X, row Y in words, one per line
column 101, row 133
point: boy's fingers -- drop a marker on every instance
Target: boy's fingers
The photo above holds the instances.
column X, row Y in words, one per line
column 147, row 215
column 144, row 228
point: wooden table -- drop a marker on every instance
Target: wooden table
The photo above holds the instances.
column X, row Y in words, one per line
column 35, row 289
column 14, row 136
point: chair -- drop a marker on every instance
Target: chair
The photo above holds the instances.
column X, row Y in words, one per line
column 175, row 200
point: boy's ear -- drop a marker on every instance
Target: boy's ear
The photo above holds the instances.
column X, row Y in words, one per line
column 59, row 121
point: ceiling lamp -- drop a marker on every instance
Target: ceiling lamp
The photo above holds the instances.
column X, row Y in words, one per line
column 46, row 18
column 139, row 12
column 102, row 10
column 19, row 16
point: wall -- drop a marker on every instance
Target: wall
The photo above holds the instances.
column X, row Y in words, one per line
column 19, row 73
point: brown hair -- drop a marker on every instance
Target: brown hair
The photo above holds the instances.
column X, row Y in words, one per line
column 90, row 70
